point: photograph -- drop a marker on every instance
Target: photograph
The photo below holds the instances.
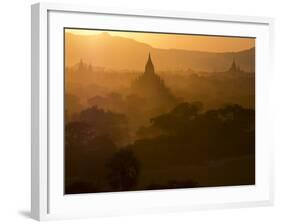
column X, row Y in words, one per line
column 156, row 111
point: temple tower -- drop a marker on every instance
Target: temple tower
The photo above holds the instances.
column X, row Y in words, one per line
column 149, row 67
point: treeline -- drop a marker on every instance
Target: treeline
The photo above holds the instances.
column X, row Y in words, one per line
column 185, row 147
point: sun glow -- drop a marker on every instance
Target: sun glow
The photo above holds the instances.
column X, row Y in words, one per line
column 179, row 41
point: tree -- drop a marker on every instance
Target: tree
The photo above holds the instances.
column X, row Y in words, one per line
column 124, row 170
column 178, row 118
column 107, row 123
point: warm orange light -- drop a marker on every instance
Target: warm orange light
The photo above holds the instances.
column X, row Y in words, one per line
column 180, row 41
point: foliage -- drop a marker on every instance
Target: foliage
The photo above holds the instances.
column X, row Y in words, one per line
column 186, row 136
column 124, row 170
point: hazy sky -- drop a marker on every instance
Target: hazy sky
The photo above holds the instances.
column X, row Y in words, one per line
column 188, row 42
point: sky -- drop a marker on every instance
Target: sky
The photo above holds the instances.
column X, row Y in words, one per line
column 181, row 41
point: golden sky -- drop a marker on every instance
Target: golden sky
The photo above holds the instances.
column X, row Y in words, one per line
column 176, row 41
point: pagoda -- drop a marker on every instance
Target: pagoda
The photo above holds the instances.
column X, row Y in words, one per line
column 150, row 86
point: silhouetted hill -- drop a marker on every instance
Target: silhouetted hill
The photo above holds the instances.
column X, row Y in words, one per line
column 123, row 53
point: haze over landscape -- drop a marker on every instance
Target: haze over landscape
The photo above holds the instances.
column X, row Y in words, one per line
column 205, row 43
column 109, row 52
column 150, row 111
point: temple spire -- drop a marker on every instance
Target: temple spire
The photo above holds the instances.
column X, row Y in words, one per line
column 233, row 66
column 149, row 67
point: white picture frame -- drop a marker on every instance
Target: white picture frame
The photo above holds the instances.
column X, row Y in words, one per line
column 47, row 198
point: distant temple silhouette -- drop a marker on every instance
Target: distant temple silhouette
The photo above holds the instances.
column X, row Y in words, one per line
column 83, row 67
column 149, row 67
column 150, row 86
column 234, row 68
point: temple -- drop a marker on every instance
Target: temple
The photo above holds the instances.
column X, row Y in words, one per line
column 149, row 67
column 151, row 87
column 234, row 67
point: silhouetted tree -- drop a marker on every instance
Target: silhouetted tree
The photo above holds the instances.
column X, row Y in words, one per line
column 124, row 170
column 181, row 116
column 114, row 125
column 78, row 134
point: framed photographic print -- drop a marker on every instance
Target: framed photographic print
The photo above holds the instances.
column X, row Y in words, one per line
column 148, row 111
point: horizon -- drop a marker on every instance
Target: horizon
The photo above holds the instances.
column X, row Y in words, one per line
column 172, row 41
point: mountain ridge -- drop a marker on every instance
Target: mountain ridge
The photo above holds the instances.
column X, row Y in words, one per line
column 119, row 53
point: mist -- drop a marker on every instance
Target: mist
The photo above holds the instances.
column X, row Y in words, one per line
column 141, row 118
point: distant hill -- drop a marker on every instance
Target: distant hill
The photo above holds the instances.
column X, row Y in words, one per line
column 119, row 53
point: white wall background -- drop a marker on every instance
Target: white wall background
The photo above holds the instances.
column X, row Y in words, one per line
column 15, row 111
